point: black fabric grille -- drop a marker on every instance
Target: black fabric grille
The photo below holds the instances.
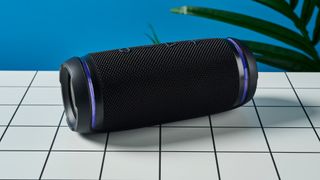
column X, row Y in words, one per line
column 147, row 85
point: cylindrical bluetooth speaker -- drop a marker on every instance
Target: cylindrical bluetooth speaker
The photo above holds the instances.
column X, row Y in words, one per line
column 147, row 85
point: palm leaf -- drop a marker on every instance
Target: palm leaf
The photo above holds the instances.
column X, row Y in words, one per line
column 270, row 29
column 307, row 11
column 275, row 51
column 280, row 6
column 316, row 31
column 293, row 3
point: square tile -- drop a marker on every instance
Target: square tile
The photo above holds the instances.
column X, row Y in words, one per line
column 21, row 165
column 239, row 139
column 32, row 115
column 305, row 79
column 16, row 78
column 246, row 166
column 200, row 121
column 273, row 80
column 6, row 113
column 46, row 78
column 28, row 138
column 239, row 117
column 39, row 95
column 73, row 165
column 292, row 139
column 137, row 139
column 11, row 95
column 186, row 139
column 131, row 165
column 298, row 166
column 188, row 166
column 314, row 115
column 283, row 117
column 70, row 140
column 309, row 97
column 276, row 97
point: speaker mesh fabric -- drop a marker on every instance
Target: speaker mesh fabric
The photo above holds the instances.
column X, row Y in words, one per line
column 162, row 83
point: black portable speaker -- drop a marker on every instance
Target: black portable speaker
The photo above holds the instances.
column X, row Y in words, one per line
column 147, row 85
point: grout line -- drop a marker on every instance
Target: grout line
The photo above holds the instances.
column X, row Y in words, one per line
column 54, row 138
column 265, row 136
column 24, row 95
column 214, row 148
column 104, row 156
column 160, row 148
column 304, row 109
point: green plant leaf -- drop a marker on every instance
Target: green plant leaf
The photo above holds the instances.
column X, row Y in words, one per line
column 275, row 51
column 307, row 11
column 316, row 31
column 267, row 28
column 293, row 3
column 280, row 6
column 285, row 64
column 153, row 37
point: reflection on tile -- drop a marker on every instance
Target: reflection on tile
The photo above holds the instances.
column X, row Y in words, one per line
column 21, row 165
column 73, row 165
column 200, row 121
column 70, row 140
column 239, row 117
column 273, row 80
column 314, row 114
column 191, row 166
column 239, row 139
column 309, row 97
column 131, row 165
column 283, row 117
column 246, row 166
column 51, row 96
column 276, row 97
column 292, row 140
column 31, row 115
column 186, row 139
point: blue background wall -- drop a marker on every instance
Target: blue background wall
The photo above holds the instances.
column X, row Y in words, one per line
column 38, row 34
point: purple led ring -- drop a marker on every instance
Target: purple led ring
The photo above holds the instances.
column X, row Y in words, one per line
column 245, row 69
column 92, row 97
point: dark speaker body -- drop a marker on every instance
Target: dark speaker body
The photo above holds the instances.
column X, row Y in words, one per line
column 147, row 85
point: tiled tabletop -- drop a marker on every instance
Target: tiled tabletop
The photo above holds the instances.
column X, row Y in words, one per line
column 275, row 136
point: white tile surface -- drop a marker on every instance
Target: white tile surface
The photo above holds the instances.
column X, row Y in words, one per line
column 16, row 78
column 6, row 113
column 275, row 97
column 28, row 138
column 292, row 140
column 314, row 114
column 273, row 80
column 1, row 130
column 283, row 117
column 250, row 103
column 136, row 139
column 32, row 115
column 21, row 165
column 200, row 121
column 309, row 97
column 73, row 165
column 39, row 95
column 46, row 78
column 186, row 139
column 131, row 165
column 246, row 166
column 304, row 80
column 11, row 95
column 296, row 166
column 239, row 117
column 64, row 120
column 191, row 166
column 239, row 139
column 70, row 140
